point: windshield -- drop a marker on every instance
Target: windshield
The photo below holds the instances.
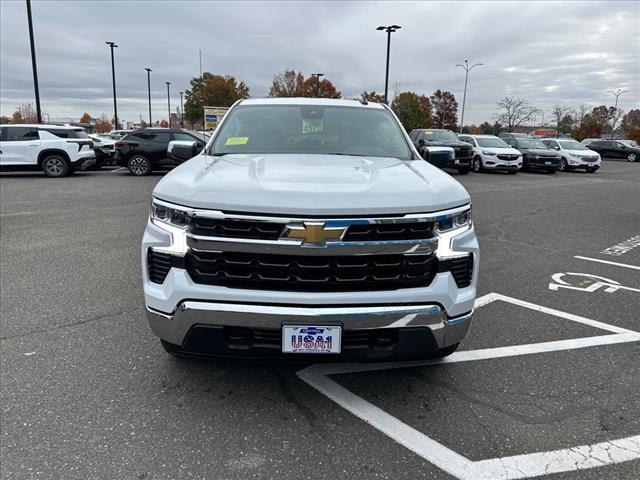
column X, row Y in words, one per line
column 572, row 145
column 489, row 142
column 629, row 143
column 532, row 144
column 311, row 129
column 440, row 136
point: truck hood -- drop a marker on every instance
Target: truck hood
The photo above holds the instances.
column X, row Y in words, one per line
column 440, row 143
column 310, row 184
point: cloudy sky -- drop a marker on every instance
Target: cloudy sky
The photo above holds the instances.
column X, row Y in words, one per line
column 567, row 53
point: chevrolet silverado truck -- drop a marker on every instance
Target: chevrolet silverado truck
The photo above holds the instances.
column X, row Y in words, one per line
column 425, row 139
column 309, row 228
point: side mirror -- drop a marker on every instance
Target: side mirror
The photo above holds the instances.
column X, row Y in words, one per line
column 421, row 142
column 623, row 146
column 182, row 150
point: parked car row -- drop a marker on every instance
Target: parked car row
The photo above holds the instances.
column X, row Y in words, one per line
column 60, row 150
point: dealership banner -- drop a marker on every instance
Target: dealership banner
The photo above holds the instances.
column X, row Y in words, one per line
column 213, row 116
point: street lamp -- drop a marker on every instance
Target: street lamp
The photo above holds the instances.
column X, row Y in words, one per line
column 149, row 92
column 389, row 29
column 33, row 63
column 113, row 77
column 317, row 75
column 181, row 111
column 616, row 94
column 168, row 103
column 467, row 69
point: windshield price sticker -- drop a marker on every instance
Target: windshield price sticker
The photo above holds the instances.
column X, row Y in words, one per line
column 237, row 140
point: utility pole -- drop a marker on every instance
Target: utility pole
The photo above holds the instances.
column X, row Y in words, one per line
column 149, row 92
column 113, row 77
column 181, row 111
column 467, row 69
column 33, row 63
column 317, row 75
column 614, row 120
column 389, row 29
column 168, row 103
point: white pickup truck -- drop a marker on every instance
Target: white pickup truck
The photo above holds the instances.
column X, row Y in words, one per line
column 309, row 227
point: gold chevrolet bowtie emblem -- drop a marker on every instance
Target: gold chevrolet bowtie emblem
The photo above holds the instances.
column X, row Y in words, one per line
column 314, row 233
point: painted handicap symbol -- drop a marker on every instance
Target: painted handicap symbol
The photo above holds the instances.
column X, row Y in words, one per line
column 587, row 282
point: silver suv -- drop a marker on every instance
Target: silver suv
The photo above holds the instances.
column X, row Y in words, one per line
column 309, row 227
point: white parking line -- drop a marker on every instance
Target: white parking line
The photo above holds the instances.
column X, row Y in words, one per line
column 505, row 468
column 635, row 267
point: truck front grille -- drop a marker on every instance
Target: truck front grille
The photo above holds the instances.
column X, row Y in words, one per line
column 311, row 273
column 254, row 230
column 263, row 230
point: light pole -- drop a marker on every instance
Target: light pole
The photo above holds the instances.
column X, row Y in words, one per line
column 467, row 69
column 113, row 77
column 389, row 29
column 317, row 75
column 149, row 92
column 616, row 94
column 181, row 111
column 168, row 103
column 33, row 63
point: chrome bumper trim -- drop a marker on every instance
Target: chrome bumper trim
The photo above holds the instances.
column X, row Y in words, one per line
column 287, row 247
column 174, row 327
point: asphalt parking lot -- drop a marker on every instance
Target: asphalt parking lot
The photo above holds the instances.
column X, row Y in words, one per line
column 546, row 385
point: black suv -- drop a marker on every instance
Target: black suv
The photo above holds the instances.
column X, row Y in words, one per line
column 535, row 154
column 143, row 150
column 616, row 149
column 424, row 138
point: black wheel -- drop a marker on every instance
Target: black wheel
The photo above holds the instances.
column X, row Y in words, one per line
column 513, row 172
column 552, row 171
column 632, row 157
column 563, row 166
column 446, row 351
column 591, row 170
column 476, row 164
column 55, row 166
column 139, row 165
column 464, row 170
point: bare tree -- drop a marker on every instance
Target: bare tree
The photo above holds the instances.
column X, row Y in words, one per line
column 559, row 113
column 515, row 112
column 583, row 111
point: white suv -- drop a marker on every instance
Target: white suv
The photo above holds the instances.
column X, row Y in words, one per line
column 54, row 149
column 491, row 152
column 573, row 154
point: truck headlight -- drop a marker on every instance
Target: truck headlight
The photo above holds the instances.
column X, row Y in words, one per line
column 455, row 221
column 169, row 215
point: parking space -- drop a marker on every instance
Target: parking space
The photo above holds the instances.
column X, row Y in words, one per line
column 546, row 385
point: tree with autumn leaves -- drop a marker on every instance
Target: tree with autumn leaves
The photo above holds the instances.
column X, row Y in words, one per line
column 212, row 90
column 440, row 110
column 290, row 83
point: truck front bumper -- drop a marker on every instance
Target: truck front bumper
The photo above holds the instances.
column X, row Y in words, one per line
column 212, row 328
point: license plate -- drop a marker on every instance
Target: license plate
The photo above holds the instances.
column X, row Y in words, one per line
column 311, row 339
column 548, row 163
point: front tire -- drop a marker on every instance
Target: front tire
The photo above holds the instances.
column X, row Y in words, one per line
column 563, row 166
column 476, row 164
column 591, row 170
column 632, row 157
column 55, row 166
column 139, row 165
